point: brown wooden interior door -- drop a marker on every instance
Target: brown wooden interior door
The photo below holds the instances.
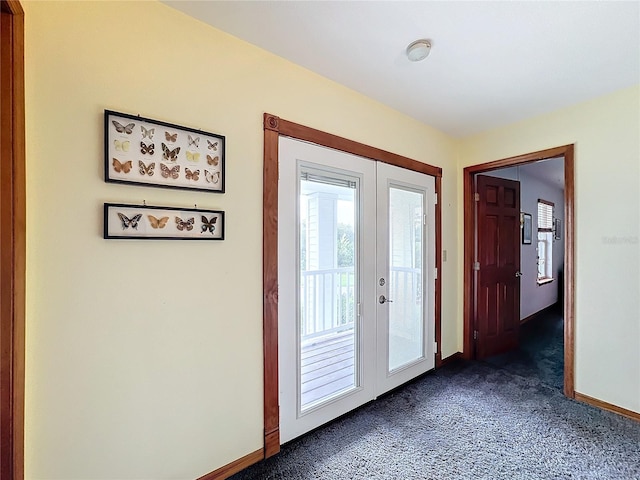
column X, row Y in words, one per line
column 497, row 285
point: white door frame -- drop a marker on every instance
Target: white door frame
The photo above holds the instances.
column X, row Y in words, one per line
column 374, row 181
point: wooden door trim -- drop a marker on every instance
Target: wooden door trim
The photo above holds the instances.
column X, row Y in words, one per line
column 12, row 241
column 567, row 153
column 274, row 127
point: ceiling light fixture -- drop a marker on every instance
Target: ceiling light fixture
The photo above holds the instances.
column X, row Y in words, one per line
column 418, row 50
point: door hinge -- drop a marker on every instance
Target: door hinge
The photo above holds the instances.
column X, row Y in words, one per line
column 476, row 266
column 359, row 309
column 435, row 198
column 435, row 273
column 435, row 347
column 424, row 219
column 475, row 334
column 476, row 197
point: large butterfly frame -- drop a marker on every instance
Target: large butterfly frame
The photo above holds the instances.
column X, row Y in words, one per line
column 146, row 222
column 142, row 151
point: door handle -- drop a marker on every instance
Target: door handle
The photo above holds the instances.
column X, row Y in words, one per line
column 384, row 299
column 518, row 274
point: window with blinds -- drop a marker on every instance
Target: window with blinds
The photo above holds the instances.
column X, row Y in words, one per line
column 545, row 241
column 545, row 215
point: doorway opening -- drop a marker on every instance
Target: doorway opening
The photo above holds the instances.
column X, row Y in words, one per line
column 274, row 128
column 537, row 244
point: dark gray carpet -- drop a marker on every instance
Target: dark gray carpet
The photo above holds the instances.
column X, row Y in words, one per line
column 469, row 420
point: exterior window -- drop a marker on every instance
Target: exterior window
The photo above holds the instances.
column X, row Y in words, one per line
column 545, row 241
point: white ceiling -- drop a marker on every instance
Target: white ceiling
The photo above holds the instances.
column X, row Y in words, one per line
column 492, row 63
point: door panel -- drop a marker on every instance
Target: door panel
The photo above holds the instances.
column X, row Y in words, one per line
column 405, row 282
column 498, row 252
column 325, row 333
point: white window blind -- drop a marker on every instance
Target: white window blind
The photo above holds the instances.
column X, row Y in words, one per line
column 545, row 215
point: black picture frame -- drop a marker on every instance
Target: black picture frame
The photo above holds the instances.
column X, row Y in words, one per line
column 527, row 228
column 185, row 158
column 147, row 222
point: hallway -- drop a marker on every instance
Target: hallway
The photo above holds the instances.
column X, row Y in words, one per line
column 541, row 351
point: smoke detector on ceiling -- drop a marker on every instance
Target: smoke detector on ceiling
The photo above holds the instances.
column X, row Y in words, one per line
column 418, row 50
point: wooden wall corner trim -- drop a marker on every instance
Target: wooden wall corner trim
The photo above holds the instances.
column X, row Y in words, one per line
column 270, row 285
column 12, row 242
column 569, row 307
column 272, row 442
column 271, row 122
column 594, row 402
column 234, row 467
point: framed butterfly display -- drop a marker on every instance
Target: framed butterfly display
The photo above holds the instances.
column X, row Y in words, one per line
column 162, row 223
column 149, row 152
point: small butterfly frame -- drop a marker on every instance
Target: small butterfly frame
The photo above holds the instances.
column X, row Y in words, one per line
column 143, row 151
column 146, row 222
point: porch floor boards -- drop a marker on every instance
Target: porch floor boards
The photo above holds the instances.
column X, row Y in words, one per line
column 327, row 365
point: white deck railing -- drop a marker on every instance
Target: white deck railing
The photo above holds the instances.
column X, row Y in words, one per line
column 328, row 298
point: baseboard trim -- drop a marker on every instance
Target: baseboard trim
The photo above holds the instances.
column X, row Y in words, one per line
column 607, row 406
column 234, row 467
column 539, row 312
column 451, row 358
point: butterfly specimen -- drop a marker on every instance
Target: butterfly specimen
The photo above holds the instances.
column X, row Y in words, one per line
column 170, row 138
column 185, row 224
column 147, row 133
column 122, row 167
column 129, row 222
column 158, row 222
column 211, row 177
column 212, row 145
column 192, row 156
column 208, row 224
column 194, row 141
column 149, row 170
column 128, row 129
column 167, row 172
column 189, row 175
column 147, row 148
column 168, row 154
column 122, row 146
column 213, row 160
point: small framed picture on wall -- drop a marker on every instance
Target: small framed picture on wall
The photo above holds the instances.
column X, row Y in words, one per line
column 526, row 229
column 557, row 229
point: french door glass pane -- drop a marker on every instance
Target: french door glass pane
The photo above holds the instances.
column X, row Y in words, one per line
column 406, row 239
column 328, row 290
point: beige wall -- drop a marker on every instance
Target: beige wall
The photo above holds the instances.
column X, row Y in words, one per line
column 144, row 359
column 606, row 133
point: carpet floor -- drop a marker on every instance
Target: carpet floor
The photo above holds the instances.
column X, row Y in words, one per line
column 503, row 418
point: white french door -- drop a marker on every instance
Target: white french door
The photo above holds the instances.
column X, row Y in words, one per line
column 356, row 284
column 405, row 283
